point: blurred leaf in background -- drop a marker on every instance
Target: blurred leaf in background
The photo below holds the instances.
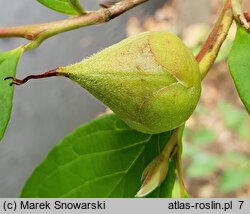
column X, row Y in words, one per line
column 235, row 119
column 209, row 157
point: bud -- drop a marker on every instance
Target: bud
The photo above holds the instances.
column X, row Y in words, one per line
column 151, row 80
column 153, row 175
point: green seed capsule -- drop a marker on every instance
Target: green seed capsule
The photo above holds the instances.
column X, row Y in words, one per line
column 151, row 81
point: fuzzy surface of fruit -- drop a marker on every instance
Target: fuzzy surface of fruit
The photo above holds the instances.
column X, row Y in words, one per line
column 151, row 81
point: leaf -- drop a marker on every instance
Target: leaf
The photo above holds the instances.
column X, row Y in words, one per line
column 235, row 118
column 239, row 65
column 203, row 136
column 77, row 6
column 234, row 160
column 69, row 7
column 233, row 179
column 202, row 166
column 8, row 63
column 104, row 158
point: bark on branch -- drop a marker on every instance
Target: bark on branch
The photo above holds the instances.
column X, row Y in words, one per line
column 46, row 30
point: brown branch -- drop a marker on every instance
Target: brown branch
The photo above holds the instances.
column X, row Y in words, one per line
column 238, row 14
column 31, row 32
column 50, row 73
column 211, row 47
column 214, row 34
column 247, row 16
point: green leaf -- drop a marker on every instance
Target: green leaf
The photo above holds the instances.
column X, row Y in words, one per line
column 233, row 117
column 236, row 119
column 234, row 160
column 8, row 63
column 104, row 158
column 233, row 179
column 202, row 166
column 203, row 136
column 77, row 6
column 239, row 65
column 69, row 7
